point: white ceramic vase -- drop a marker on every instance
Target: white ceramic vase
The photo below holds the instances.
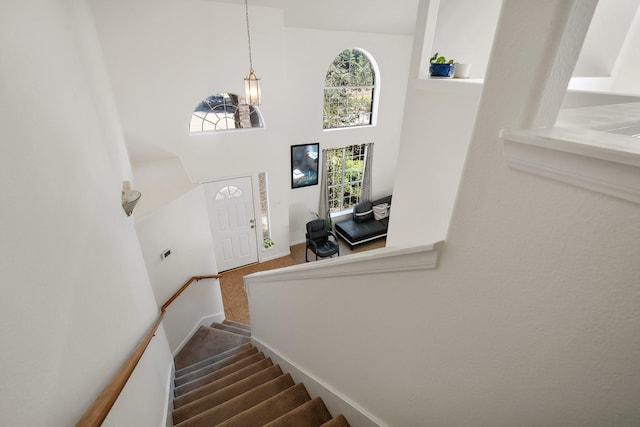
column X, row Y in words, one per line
column 461, row 71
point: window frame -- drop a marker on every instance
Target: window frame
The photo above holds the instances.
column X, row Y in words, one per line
column 374, row 89
column 228, row 101
column 363, row 148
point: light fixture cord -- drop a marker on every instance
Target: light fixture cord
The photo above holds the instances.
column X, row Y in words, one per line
column 246, row 6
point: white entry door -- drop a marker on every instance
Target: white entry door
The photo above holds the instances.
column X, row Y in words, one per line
column 232, row 219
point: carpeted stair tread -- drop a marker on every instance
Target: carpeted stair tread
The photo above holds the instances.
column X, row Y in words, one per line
column 271, row 408
column 212, row 359
column 227, row 393
column 223, row 382
column 232, row 329
column 236, row 324
column 214, row 366
column 310, row 414
column 241, row 404
column 222, row 372
column 339, row 421
column 207, row 342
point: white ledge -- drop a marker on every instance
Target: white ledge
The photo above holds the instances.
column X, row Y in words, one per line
column 383, row 260
column 450, row 86
column 599, row 161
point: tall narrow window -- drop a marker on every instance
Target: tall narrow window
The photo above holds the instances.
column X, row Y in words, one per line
column 264, row 210
column 224, row 111
column 349, row 91
column 345, row 174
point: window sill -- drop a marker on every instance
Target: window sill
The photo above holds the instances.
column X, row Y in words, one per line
column 349, row 128
column 604, row 162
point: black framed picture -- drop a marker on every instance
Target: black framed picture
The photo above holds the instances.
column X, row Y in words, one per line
column 304, row 164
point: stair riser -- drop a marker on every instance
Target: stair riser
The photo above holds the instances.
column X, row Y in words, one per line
column 221, row 383
column 226, row 394
column 310, row 414
column 234, row 330
column 236, row 325
column 241, row 404
column 185, row 388
column 270, row 409
column 213, row 367
column 199, row 365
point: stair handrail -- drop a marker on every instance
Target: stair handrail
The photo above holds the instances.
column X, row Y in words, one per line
column 98, row 411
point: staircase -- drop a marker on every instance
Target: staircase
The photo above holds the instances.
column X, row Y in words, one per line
column 223, row 380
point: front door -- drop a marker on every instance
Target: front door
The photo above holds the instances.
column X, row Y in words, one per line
column 232, row 220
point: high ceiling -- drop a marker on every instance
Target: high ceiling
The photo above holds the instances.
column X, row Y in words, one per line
column 371, row 16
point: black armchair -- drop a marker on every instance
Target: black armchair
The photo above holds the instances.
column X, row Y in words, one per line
column 318, row 240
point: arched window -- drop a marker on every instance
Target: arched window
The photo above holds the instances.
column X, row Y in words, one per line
column 350, row 91
column 229, row 192
column 224, row 111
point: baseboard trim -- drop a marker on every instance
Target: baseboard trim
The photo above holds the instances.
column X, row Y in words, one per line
column 205, row 321
column 335, row 401
column 268, row 255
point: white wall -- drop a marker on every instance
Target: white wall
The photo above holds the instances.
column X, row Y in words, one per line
column 627, row 66
column 310, row 52
column 464, row 32
column 607, row 33
column 437, row 127
column 532, row 315
column 182, row 226
column 160, row 76
column 77, row 297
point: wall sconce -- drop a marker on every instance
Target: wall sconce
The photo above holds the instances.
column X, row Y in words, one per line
column 129, row 197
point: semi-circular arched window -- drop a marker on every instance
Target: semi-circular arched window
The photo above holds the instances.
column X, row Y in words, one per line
column 224, row 111
column 350, row 90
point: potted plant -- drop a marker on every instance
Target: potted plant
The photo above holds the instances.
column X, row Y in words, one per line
column 441, row 67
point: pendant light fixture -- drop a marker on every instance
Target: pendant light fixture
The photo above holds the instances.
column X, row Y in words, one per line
column 252, row 90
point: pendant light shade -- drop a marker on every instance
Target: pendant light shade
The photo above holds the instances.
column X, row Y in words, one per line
column 252, row 90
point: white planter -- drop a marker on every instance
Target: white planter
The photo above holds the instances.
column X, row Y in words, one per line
column 461, row 71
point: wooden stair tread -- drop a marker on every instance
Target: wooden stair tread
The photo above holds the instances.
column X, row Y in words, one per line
column 241, row 404
column 227, row 393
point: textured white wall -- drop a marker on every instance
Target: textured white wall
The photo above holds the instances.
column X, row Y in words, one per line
column 437, row 127
column 547, row 274
column 182, row 226
column 77, row 297
column 531, row 317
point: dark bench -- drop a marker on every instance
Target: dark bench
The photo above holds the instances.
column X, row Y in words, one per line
column 363, row 227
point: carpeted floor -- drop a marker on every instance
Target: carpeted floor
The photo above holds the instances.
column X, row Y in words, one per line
column 234, row 298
